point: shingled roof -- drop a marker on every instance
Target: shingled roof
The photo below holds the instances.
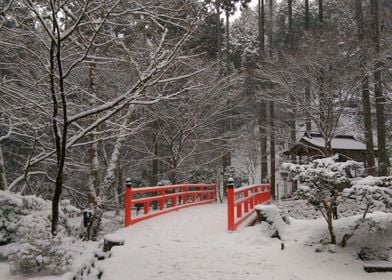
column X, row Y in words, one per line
column 312, row 144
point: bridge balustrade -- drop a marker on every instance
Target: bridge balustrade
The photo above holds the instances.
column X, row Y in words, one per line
column 160, row 200
column 241, row 203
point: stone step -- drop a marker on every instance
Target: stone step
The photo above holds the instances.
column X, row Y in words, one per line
column 377, row 266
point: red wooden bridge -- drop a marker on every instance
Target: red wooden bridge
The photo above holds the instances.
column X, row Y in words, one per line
column 159, row 200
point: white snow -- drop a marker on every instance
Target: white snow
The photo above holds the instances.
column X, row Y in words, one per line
column 337, row 143
column 194, row 244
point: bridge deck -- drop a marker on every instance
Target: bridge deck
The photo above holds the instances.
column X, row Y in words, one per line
column 194, row 244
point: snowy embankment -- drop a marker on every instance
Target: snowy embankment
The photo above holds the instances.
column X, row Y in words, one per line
column 194, row 244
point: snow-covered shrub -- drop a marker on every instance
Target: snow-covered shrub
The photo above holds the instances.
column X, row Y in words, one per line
column 374, row 192
column 11, row 209
column 164, row 182
column 240, row 177
column 322, row 180
column 14, row 206
column 276, row 220
column 37, row 250
column 25, row 222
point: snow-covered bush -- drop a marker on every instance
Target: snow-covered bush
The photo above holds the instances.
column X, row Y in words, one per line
column 164, row 182
column 25, row 222
column 240, row 177
column 322, row 180
column 374, row 192
column 275, row 220
column 37, row 250
column 328, row 181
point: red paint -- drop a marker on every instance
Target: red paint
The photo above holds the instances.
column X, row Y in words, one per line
column 179, row 196
column 230, row 209
column 128, row 206
column 241, row 203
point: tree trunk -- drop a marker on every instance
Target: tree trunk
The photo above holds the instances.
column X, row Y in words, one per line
column 3, row 179
column 218, row 30
column 227, row 43
column 330, row 226
column 367, row 114
column 328, row 146
column 329, row 218
column 154, row 163
column 378, row 92
column 60, row 135
column 270, row 27
column 272, row 108
column 307, row 15
column 321, row 11
column 263, row 103
column 292, row 115
column 308, row 120
column 272, row 148
column 93, row 149
column 261, row 18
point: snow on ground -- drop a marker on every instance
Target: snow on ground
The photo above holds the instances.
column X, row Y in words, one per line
column 6, row 275
column 194, row 244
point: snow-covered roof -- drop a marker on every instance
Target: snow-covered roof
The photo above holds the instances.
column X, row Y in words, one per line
column 340, row 142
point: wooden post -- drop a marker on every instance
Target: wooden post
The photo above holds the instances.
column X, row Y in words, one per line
column 230, row 208
column 128, row 203
column 246, row 201
column 161, row 199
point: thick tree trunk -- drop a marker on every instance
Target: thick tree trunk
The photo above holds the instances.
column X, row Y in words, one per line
column 3, row 179
column 367, row 114
column 383, row 161
column 307, row 83
column 270, row 27
column 227, row 43
column 272, row 108
column 272, row 148
column 263, row 104
column 218, row 30
column 321, row 11
column 261, row 18
column 307, row 15
column 292, row 115
column 263, row 140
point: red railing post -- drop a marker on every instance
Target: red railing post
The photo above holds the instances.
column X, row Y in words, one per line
column 246, row 202
column 161, row 199
column 185, row 195
column 230, row 207
column 214, row 191
column 128, row 203
column 146, row 207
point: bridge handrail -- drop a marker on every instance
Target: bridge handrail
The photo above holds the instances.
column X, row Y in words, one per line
column 241, row 203
column 181, row 196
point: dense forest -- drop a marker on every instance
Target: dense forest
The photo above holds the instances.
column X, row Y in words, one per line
column 93, row 92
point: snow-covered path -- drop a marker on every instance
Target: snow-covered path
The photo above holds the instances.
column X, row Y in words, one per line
column 194, row 244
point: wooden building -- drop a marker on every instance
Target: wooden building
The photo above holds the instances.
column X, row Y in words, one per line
column 311, row 146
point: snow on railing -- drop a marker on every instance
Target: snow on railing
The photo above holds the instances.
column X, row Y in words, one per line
column 164, row 199
column 241, row 203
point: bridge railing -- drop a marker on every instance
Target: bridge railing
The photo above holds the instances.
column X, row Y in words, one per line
column 154, row 201
column 241, row 203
